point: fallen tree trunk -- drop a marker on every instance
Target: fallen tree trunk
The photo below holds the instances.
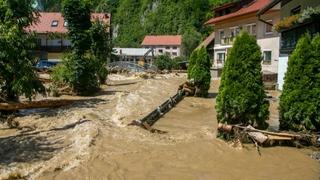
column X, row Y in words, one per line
column 49, row 103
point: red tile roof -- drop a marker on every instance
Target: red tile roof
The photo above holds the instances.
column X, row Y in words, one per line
column 251, row 8
column 43, row 24
column 162, row 40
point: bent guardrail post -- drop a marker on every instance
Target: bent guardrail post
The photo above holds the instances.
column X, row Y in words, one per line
column 148, row 121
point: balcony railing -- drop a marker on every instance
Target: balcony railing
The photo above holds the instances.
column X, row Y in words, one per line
column 52, row 48
column 227, row 40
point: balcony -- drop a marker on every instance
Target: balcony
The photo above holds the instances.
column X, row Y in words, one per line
column 52, row 48
column 227, row 40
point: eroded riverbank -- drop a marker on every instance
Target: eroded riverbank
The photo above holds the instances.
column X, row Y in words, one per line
column 91, row 141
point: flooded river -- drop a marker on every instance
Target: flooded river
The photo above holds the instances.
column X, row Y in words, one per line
column 91, row 140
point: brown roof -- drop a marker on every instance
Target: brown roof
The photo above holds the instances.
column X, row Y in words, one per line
column 43, row 24
column 162, row 40
column 207, row 41
column 250, row 8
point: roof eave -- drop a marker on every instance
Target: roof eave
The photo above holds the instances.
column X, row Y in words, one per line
column 268, row 7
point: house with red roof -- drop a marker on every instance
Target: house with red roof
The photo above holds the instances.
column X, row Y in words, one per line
column 164, row 44
column 52, row 29
column 229, row 19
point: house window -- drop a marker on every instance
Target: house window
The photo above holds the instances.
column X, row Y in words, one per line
column 221, row 57
column 167, row 47
column 267, row 57
column 174, row 54
column 295, row 10
column 251, row 28
column 221, row 36
column 54, row 23
column 234, row 31
column 174, row 47
column 160, row 51
column 65, row 24
column 268, row 27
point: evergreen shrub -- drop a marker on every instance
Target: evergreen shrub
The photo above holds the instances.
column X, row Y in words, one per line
column 241, row 98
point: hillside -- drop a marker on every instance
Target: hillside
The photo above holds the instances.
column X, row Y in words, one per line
column 133, row 19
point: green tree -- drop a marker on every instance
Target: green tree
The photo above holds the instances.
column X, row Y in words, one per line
column 241, row 98
column 199, row 71
column 80, row 64
column 16, row 73
column 299, row 101
column 190, row 40
column 163, row 62
column 101, row 48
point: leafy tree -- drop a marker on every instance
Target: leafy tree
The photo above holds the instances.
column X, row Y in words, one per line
column 100, row 48
column 163, row 62
column 16, row 73
column 84, row 68
column 190, row 40
column 50, row 5
column 80, row 63
column 300, row 102
column 199, row 71
column 77, row 14
column 241, row 98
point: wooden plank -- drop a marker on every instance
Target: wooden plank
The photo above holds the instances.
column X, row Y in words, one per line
column 273, row 137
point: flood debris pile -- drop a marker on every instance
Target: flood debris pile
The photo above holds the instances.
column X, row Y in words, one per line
column 267, row 138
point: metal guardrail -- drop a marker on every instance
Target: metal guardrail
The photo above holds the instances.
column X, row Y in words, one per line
column 156, row 114
column 133, row 67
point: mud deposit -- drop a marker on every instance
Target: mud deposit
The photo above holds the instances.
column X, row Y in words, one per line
column 91, row 140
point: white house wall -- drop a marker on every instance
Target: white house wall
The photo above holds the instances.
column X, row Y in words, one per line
column 283, row 65
column 269, row 42
column 273, row 45
column 166, row 49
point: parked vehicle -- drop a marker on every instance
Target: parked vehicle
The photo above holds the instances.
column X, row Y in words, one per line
column 47, row 63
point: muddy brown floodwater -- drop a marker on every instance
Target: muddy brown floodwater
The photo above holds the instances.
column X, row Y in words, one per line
column 91, row 140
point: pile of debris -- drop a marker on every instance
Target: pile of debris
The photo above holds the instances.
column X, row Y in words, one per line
column 268, row 138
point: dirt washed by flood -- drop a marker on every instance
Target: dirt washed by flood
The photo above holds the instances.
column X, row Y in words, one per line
column 91, row 140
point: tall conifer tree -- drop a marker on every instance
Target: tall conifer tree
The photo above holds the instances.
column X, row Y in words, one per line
column 241, row 98
column 300, row 99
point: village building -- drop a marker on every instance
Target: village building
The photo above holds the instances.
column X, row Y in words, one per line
column 164, row 45
column 134, row 55
column 52, row 29
column 291, row 34
column 229, row 19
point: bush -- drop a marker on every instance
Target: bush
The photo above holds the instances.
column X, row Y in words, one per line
column 300, row 102
column 78, row 72
column 176, row 61
column 163, row 62
column 199, row 71
column 241, row 98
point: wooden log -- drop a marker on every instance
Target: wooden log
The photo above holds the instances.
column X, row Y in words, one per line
column 227, row 128
column 49, row 103
column 259, row 137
